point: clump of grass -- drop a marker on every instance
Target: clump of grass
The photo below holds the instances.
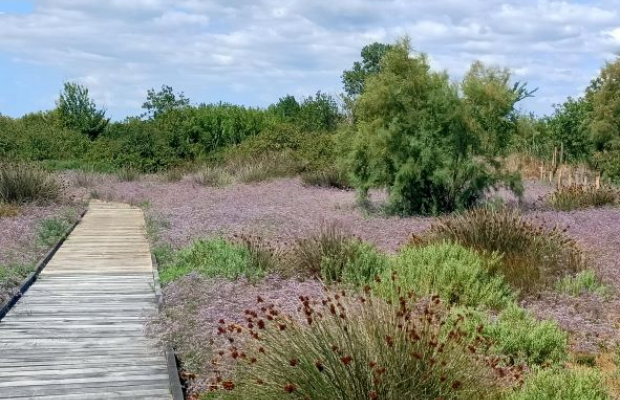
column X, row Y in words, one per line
column 328, row 178
column 173, row 175
column 127, row 175
column 8, row 210
column 212, row 177
column 210, row 258
column 85, row 179
column 52, row 230
column 533, row 258
column 583, row 282
column 335, row 256
column 354, row 348
column 20, row 184
column 575, row 197
column 263, row 166
column 564, row 384
column 460, row 276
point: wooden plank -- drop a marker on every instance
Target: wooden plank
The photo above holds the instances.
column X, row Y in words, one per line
column 78, row 333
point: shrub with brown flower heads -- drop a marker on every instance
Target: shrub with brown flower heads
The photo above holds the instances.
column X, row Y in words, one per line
column 353, row 347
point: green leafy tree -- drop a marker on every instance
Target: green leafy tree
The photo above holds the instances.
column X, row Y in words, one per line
column 604, row 95
column 355, row 78
column 318, row 113
column 76, row 110
column 286, row 109
column 433, row 150
column 570, row 128
column 158, row 103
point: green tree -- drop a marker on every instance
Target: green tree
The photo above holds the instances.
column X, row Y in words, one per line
column 433, row 150
column 604, row 95
column 319, row 113
column 570, row 128
column 76, row 110
column 286, row 109
column 355, row 78
column 158, row 103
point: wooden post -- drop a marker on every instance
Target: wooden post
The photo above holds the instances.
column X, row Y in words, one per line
column 585, row 180
column 598, row 181
column 550, row 176
column 561, row 153
column 555, row 158
column 560, row 178
column 542, row 173
column 570, row 178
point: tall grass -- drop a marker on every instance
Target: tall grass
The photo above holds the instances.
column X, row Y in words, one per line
column 328, row 178
column 20, row 183
column 8, row 210
column 533, row 258
column 575, row 197
column 211, row 177
column 354, row 348
column 583, row 282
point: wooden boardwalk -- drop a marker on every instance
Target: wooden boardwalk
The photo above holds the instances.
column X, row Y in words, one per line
column 78, row 333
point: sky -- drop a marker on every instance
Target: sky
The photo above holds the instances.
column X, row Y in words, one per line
column 256, row 51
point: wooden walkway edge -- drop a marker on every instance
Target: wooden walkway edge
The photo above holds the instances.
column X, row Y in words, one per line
column 78, row 333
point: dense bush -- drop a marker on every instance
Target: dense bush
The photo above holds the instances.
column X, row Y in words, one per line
column 532, row 257
column 20, row 183
column 77, row 111
column 563, row 384
column 357, row 348
column 458, row 275
column 575, row 197
column 431, row 147
column 328, row 178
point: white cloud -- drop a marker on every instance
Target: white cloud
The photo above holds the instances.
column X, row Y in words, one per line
column 255, row 52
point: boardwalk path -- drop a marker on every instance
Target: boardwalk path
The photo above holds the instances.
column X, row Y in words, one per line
column 78, row 331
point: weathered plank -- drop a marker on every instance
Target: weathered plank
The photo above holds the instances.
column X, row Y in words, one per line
column 78, row 333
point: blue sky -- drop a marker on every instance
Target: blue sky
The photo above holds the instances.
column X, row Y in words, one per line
column 253, row 52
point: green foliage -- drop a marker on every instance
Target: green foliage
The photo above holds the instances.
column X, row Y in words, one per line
column 434, row 151
column 20, row 183
column 353, row 350
column 77, row 111
column 518, row 334
column 576, row 197
column 211, row 258
column 160, row 102
column 570, row 129
column 52, row 230
column 563, row 384
column 458, row 275
column 604, row 96
column 583, row 282
column 533, row 258
column 354, row 79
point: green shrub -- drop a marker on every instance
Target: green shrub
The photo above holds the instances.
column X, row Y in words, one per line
column 51, row 230
column 333, row 255
column 563, row 384
column 533, row 258
column 576, row 197
column 520, row 335
column 458, row 275
column 350, row 349
column 211, row 258
column 20, row 184
column 583, row 282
